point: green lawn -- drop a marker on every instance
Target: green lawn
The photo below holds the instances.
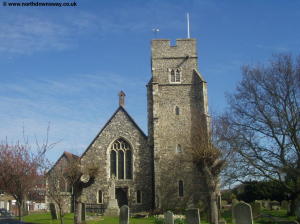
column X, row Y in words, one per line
column 45, row 218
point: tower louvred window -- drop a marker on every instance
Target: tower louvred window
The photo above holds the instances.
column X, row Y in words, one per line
column 172, row 75
column 121, row 159
column 177, row 75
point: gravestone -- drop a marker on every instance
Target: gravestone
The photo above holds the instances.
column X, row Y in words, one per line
column 275, row 205
column 266, row 204
column 112, row 207
column 53, row 211
column 169, row 218
column 242, row 213
column 260, row 203
column 222, row 221
column 83, row 211
column 284, row 204
column 124, row 215
column 256, row 207
column 192, row 216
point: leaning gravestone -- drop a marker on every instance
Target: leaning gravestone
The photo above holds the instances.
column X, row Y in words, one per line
column 192, row 216
column 242, row 213
column 169, row 218
column 53, row 211
column 124, row 215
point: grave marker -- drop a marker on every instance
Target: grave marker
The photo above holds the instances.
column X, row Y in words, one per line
column 242, row 213
column 192, row 216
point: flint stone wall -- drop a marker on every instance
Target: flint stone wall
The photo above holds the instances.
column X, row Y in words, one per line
column 98, row 152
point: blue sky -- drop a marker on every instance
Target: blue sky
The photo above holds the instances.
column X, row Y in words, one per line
column 66, row 65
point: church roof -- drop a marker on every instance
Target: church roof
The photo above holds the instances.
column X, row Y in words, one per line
column 120, row 108
column 68, row 156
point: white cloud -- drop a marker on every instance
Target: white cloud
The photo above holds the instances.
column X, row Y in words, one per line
column 25, row 34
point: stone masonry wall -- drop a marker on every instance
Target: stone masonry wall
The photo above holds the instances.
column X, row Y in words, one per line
column 167, row 130
column 99, row 153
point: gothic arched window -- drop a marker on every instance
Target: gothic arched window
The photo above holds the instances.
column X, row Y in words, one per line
column 180, row 188
column 121, row 159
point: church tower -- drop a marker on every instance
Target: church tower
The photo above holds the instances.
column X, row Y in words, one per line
column 177, row 112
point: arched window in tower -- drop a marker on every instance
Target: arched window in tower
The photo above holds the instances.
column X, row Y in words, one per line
column 113, row 163
column 172, row 75
column 121, row 159
column 180, row 188
column 178, row 75
column 178, row 148
column 177, row 110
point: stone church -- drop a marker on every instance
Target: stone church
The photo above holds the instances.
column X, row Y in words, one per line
column 154, row 170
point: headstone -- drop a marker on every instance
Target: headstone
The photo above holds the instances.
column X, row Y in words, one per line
column 242, row 213
column 275, row 205
column 124, row 215
column 222, row 221
column 112, row 207
column 192, row 216
column 83, row 211
column 260, row 202
column 53, row 211
column 169, row 218
column 266, row 204
column 284, row 204
column 256, row 207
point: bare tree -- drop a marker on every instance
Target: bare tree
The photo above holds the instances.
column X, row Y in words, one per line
column 263, row 124
column 58, row 187
column 210, row 161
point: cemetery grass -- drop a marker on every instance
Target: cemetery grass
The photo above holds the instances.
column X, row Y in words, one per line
column 45, row 218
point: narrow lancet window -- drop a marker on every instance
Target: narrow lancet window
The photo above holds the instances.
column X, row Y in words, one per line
column 138, row 197
column 177, row 75
column 180, row 188
column 177, row 111
column 120, row 164
column 172, row 75
column 113, row 163
column 128, row 165
column 100, row 197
